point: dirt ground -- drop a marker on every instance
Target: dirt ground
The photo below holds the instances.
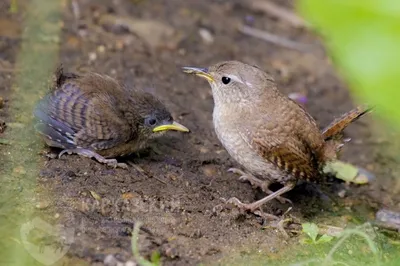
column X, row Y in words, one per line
column 177, row 189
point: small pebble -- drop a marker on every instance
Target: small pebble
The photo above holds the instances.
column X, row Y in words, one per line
column 128, row 195
column 101, row 49
column 209, row 170
column 182, row 51
column 342, row 193
column 42, row 205
column 219, row 151
column 364, row 176
column 110, row 260
column 73, row 42
column 130, row 263
column 51, row 155
column 206, row 36
column 92, row 56
column 204, row 150
column 388, row 219
column 172, row 176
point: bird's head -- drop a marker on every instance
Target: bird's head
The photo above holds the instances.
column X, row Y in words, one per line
column 235, row 82
column 156, row 118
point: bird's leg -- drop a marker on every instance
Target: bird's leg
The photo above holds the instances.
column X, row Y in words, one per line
column 257, row 204
column 89, row 153
column 254, row 181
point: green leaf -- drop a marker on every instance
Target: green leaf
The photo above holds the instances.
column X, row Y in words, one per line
column 363, row 38
column 155, row 258
column 344, row 171
column 13, row 6
column 306, row 241
column 324, row 239
column 311, row 230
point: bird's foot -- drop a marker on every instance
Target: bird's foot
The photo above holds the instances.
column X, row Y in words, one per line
column 279, row 224
column 250, row 208
column 91, row 154
column 257, row 204
column 255, row 182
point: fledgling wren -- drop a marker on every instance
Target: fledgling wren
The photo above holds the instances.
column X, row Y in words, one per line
column 93, row 115
column 267, row 133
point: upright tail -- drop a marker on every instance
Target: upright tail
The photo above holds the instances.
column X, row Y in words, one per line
column 338, row 125
column 60, row 77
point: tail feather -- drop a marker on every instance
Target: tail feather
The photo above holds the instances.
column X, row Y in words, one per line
column 338, row 125
column 60, row 77
column 55, row 133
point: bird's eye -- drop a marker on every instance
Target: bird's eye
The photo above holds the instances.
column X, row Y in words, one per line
column 226, row 80
column 152, row 121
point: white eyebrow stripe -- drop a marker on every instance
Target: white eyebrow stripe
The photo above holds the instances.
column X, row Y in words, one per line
column 249, row 84
column 237, row 79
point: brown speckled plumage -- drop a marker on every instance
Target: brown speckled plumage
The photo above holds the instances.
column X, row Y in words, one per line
column 267, row 133
column 95, row 116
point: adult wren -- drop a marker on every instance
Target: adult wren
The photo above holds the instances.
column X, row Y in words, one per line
column 272, row 137
column 94, row 115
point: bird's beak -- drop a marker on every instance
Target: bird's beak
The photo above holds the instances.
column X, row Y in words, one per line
column 174, row 126
column 201, row 72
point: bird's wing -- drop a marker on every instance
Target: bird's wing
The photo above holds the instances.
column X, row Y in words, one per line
column 286, row 150
column 82, row 119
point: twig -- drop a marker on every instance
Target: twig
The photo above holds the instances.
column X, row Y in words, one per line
column 279, row 12
column 77, row 13
column 75, row 9
column 143, row 172
column 275, row 39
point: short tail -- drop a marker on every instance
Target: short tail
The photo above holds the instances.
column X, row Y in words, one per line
column 338, row 125
column 60, row 77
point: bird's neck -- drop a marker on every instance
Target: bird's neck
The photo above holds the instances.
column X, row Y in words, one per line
column 229, row 113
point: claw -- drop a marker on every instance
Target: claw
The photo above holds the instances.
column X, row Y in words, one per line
column 236, row 171
column 257, row 204
column 62, row 152
column 122, row 165
column 237, row 203
column 255, row 182
column 91, row 154
column 266, row 216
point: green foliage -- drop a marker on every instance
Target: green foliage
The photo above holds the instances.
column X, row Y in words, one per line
column 311, row 230
column 155, row 259
column 13, row 6
column 364, row 232
column 363, row 38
